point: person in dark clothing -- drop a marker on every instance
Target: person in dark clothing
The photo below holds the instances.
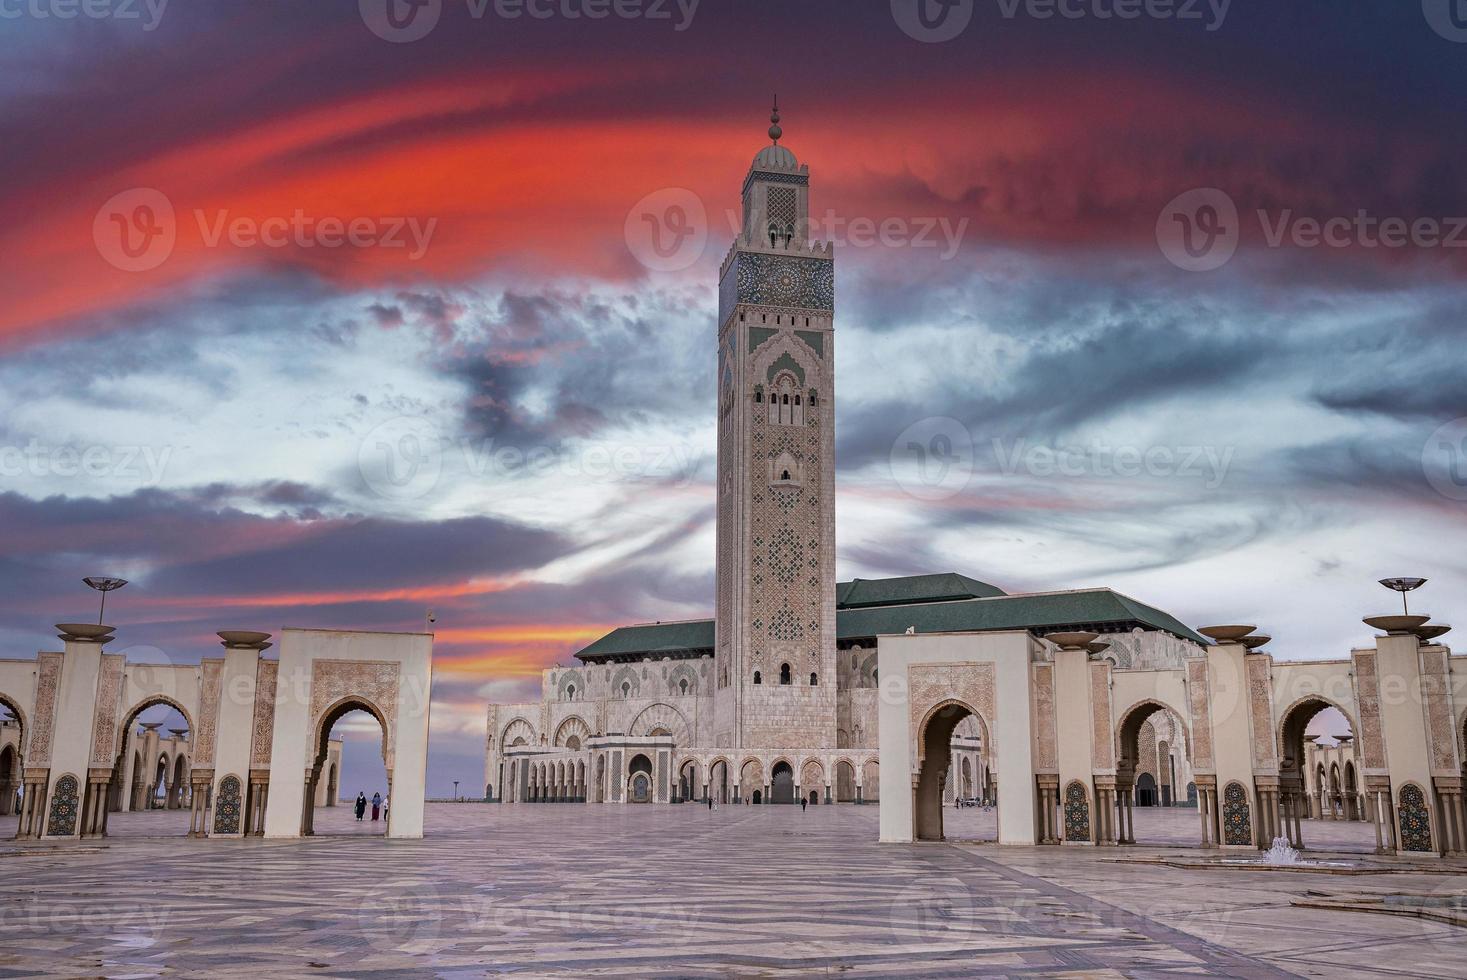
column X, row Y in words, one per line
column 803, row 801
column 710, row 802
column 361, row 805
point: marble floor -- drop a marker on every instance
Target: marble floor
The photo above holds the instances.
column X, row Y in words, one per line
column 598, row 891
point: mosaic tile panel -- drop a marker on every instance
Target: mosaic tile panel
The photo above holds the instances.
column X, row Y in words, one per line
column 65, row 807
column 1236, row 820
column 1077, row 811
column 1415, row 819
column 227, row 806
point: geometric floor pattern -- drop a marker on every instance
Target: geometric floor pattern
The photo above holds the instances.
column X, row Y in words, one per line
column 618, row 891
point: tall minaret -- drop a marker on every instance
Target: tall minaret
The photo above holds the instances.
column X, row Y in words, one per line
column 775, row 638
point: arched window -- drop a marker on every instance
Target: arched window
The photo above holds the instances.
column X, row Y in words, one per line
column 757, row 678
column 784, row 673
column 626, row 689
column 570, row 692
column 683, row 685
column 784, row 474
column 814, row 679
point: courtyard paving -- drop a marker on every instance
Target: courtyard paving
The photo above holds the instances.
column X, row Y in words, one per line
column 598, row 891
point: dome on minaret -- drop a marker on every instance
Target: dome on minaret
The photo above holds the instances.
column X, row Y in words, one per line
column 775, row 157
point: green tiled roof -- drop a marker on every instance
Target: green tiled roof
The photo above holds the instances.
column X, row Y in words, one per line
column 661, row 638
column 911, row 588
column 1042, row 612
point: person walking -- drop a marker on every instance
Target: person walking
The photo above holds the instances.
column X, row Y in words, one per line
column 710, row 801
column 803, row 801
column 376, row 806
column 361, row 805
column 384, row 807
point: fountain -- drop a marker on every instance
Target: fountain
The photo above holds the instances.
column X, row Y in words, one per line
column 1281, row 853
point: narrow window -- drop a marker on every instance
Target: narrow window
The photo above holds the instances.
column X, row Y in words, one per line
column 814, row 680
column 756, row 677
column 625, row 689
column 784, row 674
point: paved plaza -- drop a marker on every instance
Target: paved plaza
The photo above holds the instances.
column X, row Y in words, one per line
column 678, row 891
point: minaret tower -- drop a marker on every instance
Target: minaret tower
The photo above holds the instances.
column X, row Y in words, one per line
column 775, row 635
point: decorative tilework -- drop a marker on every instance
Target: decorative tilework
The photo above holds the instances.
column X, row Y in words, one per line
column 1046, row 755
column 1237, row 825
column 1434, row 693
column 264, row 721
column 48, row 680
column 64, row 808
column 1102, row 743
column 1260, row 700
column 104, row 724
column 208, row 713
column 928, row 685
column 1415, row 819
column 801, row 282
column 1077, row 811
column 1367, row 696
column 227, row 806
column 1201, row 710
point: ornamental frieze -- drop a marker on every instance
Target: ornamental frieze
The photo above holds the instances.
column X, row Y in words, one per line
column 109, row 696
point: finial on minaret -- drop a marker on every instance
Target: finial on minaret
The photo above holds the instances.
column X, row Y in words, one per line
column 774, row 131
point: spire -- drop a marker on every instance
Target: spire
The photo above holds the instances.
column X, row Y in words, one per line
column 774, row 131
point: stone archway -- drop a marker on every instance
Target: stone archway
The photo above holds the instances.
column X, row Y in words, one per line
column 154, row 771
column 639, row 779
column 718, row 787
column 321, row 749
column 751, row 780
column 1130, row 786
column 12, row 777
column 782, row 783
column 845, row 781
column 934, row 746
column 1293, row 802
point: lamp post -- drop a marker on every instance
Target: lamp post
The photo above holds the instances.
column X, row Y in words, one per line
column 104, row 584
column 455, row 791
column 1403, row 585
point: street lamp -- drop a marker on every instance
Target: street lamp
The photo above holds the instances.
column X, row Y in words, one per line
column 1403, row 585
column 104, row 584
column 455, row 791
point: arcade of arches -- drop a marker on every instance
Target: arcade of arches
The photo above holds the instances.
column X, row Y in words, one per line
column 74, row 746
column 1075, row 743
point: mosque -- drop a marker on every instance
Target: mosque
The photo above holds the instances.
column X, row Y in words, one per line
column 1066, row 709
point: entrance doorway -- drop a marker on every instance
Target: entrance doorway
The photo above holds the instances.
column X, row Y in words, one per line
column 782, row 783
column 934, row 768
column 639, row 785
column 363, row 777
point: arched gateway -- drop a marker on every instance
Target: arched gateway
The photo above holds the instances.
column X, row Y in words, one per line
column 1077, row 739
column 254, row 741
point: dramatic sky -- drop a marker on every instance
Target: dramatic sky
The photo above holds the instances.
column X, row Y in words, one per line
column 1171, row 303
